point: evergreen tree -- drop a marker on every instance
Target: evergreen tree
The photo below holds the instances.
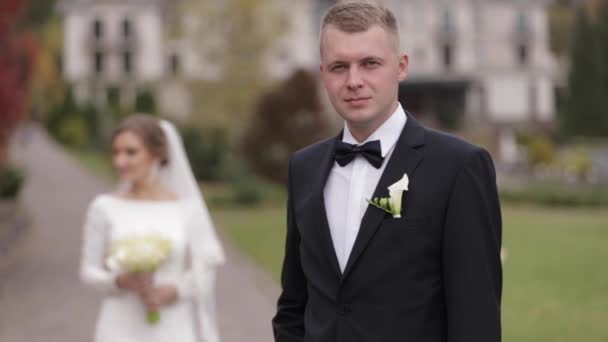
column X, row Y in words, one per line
column 602, row 38
column 586, row 105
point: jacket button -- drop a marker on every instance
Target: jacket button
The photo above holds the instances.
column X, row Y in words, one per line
column 344, row 310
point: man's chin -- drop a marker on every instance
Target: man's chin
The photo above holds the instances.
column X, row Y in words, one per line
column 359, row 121
column 359, row 116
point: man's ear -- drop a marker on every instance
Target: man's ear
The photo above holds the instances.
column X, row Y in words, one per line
column 404, row 62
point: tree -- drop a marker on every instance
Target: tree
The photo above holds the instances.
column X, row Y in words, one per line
column 47, row 87
column 561, row 24
column 602, row 38
column 16, row 56
column 286, row 119
column 232, row 38
column 584, row 113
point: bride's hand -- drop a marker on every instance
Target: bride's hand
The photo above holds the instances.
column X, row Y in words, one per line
column 139, row 282
column 159, row 296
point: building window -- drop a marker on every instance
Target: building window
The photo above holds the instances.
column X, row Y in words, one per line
column 127, row 62
column 126, row 28
column 448, row 56
column 98, row 62
column 174, row 64
column 447, row 24
column 97, row 29
column 522, row 34
column 447, row 39
column 522, row 54
column 522, row 26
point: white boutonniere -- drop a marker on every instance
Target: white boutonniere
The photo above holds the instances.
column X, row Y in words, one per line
column 392, row 204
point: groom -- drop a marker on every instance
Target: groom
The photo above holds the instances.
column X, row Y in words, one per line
column 430, row 270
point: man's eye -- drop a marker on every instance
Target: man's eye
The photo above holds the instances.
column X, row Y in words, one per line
column 371, row 63
column 338, row 68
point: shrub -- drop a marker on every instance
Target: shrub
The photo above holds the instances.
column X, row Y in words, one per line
column 71, row 125
column 246, row 191
column 577, row 162
column 145, row 102
column 206, row 149
column 541, row 151
column 555, row 194
column 244, row 186
column 73, row 132
column 239, row 187
column 11, row 181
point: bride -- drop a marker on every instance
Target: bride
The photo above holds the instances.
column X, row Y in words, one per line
column 157, row 194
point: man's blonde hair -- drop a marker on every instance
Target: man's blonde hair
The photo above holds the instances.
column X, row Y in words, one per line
column 360, row 16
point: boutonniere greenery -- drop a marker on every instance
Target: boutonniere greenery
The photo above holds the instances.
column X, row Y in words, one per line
column 392, row 204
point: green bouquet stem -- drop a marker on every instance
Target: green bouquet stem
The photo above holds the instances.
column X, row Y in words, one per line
column 153, row 317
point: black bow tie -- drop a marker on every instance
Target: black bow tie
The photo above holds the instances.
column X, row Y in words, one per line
column 344, row 153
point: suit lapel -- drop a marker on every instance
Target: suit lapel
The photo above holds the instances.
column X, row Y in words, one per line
column 405, row 159
column 318, row 201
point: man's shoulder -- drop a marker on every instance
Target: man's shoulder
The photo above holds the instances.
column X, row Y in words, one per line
column 452, row 142
column 450, row 147
column 313, row 152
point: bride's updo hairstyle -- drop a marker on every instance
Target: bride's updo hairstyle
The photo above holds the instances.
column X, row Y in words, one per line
column 148, row 129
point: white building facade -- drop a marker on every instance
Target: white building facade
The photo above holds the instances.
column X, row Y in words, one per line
column 470, row 60
column 113, row 45
column 115, row 48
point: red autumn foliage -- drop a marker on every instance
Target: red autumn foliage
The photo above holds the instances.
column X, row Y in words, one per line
column 16, row 63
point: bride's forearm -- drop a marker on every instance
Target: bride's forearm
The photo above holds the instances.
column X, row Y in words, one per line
column 99, row 279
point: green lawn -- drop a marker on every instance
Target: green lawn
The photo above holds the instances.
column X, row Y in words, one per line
column 555, row 273
column 260, row 232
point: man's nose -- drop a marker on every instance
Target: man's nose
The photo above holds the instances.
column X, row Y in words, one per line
column 354, row 80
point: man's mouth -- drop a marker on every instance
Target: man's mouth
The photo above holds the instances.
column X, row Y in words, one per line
column 357, row 100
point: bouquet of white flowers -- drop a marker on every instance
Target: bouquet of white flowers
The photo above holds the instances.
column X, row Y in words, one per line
column 140, row 253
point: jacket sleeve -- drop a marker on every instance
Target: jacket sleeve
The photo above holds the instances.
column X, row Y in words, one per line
column 288, row 324
column 472, row 267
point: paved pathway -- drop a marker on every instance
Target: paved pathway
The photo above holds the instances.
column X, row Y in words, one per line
column 41, row 298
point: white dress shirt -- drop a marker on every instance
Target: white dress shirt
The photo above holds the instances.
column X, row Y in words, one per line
column 348, row 188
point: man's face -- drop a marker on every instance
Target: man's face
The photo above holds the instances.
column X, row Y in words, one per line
column 361, row 72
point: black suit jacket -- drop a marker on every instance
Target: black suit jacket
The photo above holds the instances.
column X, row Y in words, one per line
column 433, row 275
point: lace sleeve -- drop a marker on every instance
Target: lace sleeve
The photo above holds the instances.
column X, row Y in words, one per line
column 92, row 266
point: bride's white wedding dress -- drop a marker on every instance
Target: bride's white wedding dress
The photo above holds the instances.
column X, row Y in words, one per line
column 191, row 267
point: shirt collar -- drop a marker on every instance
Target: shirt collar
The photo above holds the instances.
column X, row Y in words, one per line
column 388, row 133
